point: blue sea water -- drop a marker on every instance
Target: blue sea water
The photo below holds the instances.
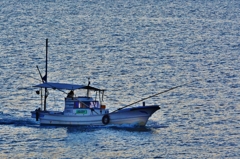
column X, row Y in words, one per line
column 134, row 49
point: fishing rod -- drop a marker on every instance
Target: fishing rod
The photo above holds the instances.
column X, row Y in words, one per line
column 155, row 95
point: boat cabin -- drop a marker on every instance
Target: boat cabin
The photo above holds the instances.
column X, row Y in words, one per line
column 83, row 106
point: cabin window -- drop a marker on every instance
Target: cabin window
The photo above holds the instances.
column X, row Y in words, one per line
column 94, row 104
column 77, row 105
column 87, row 104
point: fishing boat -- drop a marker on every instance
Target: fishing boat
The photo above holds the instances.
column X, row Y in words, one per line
column 85, row 109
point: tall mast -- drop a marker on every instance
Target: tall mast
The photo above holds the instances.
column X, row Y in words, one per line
column 45, row 96
column 46, row 58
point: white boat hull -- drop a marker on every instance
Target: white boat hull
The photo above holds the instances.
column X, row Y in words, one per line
column 134, row 116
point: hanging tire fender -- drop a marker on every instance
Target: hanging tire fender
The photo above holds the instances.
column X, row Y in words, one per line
column 105, row 119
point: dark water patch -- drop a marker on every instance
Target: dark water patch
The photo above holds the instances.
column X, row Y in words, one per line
column 128, row 128
column 81, row 129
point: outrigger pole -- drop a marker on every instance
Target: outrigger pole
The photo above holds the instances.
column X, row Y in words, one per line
column 42, row 82
column 155, row 95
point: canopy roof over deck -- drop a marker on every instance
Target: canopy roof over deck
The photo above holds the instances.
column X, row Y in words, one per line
column 66, row 86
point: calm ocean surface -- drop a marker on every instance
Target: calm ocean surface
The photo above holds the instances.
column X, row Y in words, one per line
column 134, row 49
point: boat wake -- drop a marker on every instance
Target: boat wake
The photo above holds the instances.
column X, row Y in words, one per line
column 13, row 121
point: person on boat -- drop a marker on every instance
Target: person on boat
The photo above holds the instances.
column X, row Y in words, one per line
column 70, row 94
